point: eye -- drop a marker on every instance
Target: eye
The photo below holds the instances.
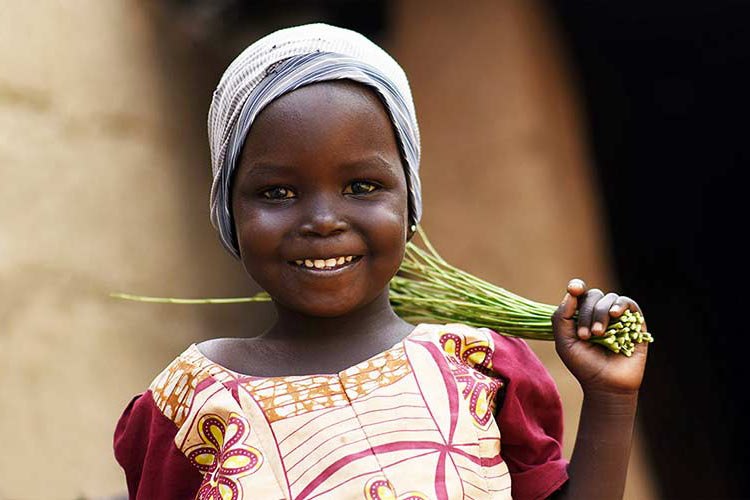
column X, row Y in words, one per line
column 278, row 193
column 360, row 187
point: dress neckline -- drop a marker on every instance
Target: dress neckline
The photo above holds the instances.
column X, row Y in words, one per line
column 205, row 359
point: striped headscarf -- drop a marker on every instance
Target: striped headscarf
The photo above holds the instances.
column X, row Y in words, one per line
column 282, row 62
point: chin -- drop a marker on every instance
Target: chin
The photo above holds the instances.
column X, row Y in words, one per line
column 327, row 310
column 332, row 308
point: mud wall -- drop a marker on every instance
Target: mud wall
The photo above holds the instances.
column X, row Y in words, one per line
column 105, row 187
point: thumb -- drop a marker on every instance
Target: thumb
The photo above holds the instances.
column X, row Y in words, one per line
column 563, row 323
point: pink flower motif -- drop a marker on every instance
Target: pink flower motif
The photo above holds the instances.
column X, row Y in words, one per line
column 378, row 488
column 470, row 365
column 223, row 456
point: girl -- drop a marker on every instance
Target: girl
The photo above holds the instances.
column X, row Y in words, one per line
column 315, row 153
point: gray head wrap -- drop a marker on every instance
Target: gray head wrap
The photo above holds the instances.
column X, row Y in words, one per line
column 283, row 61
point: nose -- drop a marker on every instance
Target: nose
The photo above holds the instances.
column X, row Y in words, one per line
column 324, row 217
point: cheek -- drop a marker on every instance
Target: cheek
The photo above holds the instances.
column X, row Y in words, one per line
column 258, row 233
column 388, row 231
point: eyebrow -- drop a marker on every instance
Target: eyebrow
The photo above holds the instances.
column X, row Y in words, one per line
column 262, row 168
column 374, row 160
column 265, row 168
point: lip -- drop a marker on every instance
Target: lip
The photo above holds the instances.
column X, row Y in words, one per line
column 322, row 272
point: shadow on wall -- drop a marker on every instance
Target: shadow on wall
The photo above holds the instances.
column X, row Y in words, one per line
column 666, row 88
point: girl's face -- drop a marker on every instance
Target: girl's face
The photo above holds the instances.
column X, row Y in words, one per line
column 320, row 178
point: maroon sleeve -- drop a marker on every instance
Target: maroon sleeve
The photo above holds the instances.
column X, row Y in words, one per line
column 144, row 446
column 530, row 419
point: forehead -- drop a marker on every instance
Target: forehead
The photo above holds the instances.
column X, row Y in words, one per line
column 342, row 98
column 341, row 119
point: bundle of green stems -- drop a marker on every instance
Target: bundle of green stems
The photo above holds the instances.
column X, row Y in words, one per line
column 429, row 289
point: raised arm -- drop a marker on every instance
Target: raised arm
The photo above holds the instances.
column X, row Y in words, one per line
column 610, row 384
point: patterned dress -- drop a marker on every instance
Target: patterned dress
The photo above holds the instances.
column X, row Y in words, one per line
column 451, row 412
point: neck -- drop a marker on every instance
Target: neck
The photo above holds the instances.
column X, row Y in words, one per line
column 373, row 319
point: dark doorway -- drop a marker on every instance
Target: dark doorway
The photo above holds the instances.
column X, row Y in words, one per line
column 665, row 86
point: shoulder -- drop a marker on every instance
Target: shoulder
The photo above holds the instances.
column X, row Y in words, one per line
column 175, row 387
column 454, row 338
column 146, row 435
column 528, row 392
column 241, row 356
column 216, row 349
column 144, row 438
column 170, row 395
column 481, row 346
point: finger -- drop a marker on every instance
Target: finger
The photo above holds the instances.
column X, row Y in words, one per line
column 600, row 314
column 562, row 319
column 623, row 304
column 585, row 311
column 576, row 287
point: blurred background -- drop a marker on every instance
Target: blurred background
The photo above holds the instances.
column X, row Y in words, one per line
column 601, row 140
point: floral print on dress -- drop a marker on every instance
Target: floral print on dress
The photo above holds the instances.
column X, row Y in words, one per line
column 223, row 456
column 312, row 437
column 477, row 353
column 478, row 388
column 379, row 488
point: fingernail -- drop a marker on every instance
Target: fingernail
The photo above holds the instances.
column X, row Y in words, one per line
column 597, row 328
column 575, row 282
column 583, row 333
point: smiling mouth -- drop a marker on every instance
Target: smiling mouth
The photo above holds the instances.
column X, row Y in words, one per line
column 328, row 264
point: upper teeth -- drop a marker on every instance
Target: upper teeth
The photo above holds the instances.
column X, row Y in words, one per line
column 324, row 263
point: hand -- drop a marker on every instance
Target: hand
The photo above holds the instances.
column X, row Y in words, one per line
column 596, row 368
